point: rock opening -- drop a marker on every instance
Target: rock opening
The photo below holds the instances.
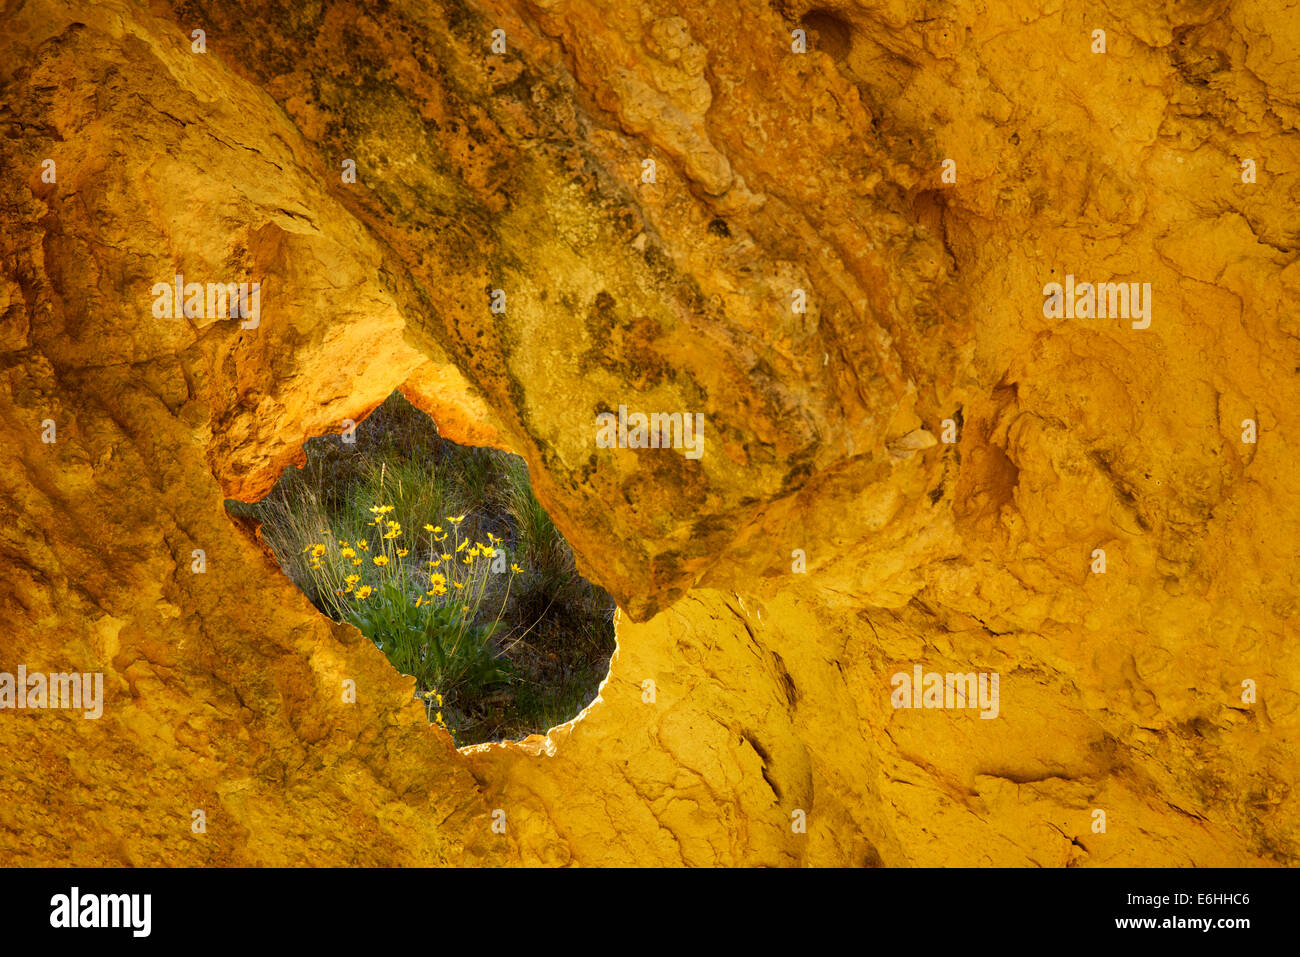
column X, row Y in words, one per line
column 442, row 556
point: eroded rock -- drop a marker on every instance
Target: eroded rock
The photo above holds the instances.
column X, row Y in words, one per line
column 923, row 315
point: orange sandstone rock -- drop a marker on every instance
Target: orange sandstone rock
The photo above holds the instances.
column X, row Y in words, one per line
column 920, row 466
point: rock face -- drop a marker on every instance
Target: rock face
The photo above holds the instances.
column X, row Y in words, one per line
column 922, row 467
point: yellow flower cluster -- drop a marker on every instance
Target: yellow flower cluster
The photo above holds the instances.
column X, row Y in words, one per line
column 466, row 549
column 431, row 699
column 465, row 580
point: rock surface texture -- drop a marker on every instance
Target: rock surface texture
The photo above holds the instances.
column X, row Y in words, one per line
column 650, row 184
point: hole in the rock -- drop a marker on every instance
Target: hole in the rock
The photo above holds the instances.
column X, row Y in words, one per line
column 441, row 555
column 828, row 32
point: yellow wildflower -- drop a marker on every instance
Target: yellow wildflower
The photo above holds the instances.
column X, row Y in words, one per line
column 437, row 580
column 403, row 552
column 380, row 560
column 458, row 584
column 515, row 568
column 455, row 519
column 462, row 545
column 364, row 592
column 349, row 553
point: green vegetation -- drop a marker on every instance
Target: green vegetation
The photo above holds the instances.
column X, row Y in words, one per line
column 442, row 556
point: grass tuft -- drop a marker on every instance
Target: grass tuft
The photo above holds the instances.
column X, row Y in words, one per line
column 526, row 641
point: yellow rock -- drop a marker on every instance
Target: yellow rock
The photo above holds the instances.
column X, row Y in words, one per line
column 838, row 257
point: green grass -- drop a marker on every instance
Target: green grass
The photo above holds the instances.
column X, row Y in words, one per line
column 534, row 647
column 539, row 540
